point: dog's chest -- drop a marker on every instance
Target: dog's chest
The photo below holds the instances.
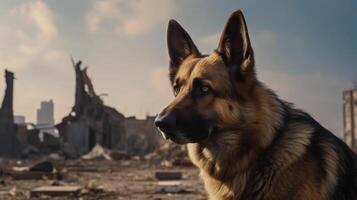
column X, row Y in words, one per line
column 224, row 189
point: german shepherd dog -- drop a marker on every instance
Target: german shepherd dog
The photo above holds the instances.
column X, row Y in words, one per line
column 248, row 143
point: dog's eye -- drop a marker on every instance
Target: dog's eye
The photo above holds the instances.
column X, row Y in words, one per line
column 205, row 89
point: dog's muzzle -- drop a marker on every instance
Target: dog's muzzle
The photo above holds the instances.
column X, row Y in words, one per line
column 166, row 123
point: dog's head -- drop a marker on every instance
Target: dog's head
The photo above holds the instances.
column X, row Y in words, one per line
column 210, row 91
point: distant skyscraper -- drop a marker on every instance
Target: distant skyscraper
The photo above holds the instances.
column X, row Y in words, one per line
column 19, row 119
column 45, row 116
column 350, row 118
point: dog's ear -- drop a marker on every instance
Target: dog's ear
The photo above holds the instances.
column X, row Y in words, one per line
column 180, row 46
column 235, row 47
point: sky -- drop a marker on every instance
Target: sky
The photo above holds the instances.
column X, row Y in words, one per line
column 305, row 50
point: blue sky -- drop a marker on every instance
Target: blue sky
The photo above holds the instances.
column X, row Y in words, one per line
column 305, row 50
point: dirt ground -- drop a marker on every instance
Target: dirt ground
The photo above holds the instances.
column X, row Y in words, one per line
column 103, row 179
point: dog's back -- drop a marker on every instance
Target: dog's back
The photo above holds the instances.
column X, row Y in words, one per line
column 305, row 161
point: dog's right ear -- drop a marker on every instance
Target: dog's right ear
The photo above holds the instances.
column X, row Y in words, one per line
column 235, row 47
column 180, row 46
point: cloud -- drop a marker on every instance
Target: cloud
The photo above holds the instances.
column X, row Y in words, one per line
column 40, row 15
column 102, row 11
column 28, row 34
column 129, row 17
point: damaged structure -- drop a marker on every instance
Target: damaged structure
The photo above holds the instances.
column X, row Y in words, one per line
column 90, row 122
column 8, row 141
column 17, row 140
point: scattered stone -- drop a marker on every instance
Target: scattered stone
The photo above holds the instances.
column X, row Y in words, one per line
column 168, row 175
column 170, row 155
column 45, row 166
column 98, row 152
column 27, row 175
column 2, row 183
column 55, row 191
column 12, row 192
column 170, row 187
column 20, row 169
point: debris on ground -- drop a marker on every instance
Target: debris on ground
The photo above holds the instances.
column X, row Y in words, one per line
column 168, row 175
column 169, row 155
column 28, row 175
column 55, row 191
column 45, row 166
column 170, row 187
column 39, row 170
column 98, row 152
column 104, row 179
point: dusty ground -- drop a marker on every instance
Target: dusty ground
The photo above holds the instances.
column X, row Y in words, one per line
column 102, row 179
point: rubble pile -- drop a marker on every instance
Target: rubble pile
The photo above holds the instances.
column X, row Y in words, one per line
column 170, row 154
column 99, row 152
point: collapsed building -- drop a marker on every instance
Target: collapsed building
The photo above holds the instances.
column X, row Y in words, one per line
column 91, row 123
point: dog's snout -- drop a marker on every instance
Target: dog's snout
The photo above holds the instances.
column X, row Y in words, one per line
column 166, row 122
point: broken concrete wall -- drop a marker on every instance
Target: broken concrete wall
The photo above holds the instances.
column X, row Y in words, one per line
column 142, row 136
column 78, row 137
column 50, row 144
column 114, row 133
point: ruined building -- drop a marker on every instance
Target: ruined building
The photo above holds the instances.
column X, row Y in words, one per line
column 350, row 118
column 8, row 141
column 16, row 140
column 90, row 122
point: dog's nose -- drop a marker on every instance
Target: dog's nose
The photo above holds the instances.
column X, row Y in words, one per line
column 166, row 122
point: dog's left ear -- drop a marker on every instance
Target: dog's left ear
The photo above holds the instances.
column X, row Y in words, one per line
column 235, row 47
column 180, row 46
